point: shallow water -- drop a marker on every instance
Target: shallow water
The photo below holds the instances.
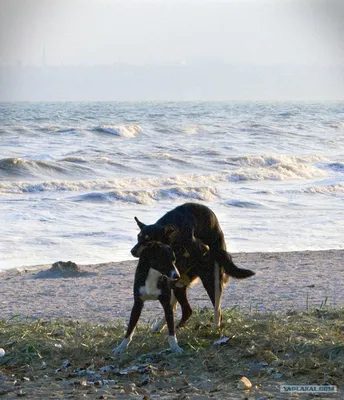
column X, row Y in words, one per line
column 73, row 175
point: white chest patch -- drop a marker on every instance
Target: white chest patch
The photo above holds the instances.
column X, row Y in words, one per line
column 150, row 290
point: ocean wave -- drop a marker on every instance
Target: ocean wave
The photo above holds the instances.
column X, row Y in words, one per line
column 335, row 124
column 330, row 189
column 277, row 171
column 150, row 196
column 74, row 159
column 28, row 167
column 271, row 160
column 244, row 204
column 165, row 157
column 325, row 189
column 127, row 131
column 66, row 130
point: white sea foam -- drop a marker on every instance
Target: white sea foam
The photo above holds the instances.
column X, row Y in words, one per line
column 267, row 160
column 330, row 189
column 191, row 130
column 150, row 196
column 126, row 131
column 291, row 170
column 75, row 159
column 29, row 167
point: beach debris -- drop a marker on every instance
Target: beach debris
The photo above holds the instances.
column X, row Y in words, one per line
column 277, row 376
column 108, row 368
column 244, row 384
column 257, row 368
column 62, row 266
column 64, row 366
column 62, row 269
column 222, row 341
column 2, row 353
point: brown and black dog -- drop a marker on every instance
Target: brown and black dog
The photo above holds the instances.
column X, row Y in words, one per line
column 194, row 233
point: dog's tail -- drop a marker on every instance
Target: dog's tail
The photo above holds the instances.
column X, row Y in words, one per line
column 225, row 261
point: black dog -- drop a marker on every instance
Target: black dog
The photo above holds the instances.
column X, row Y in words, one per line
column 154, row 278
column 194, row 233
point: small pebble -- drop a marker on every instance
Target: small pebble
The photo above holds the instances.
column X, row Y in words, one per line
column 244, row 384
column 2, row 353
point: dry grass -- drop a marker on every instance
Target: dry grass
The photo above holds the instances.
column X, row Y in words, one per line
column 297, row 347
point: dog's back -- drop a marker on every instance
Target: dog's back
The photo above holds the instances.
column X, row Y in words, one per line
column 193, row 219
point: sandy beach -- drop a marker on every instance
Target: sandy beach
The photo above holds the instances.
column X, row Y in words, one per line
column 103, row 292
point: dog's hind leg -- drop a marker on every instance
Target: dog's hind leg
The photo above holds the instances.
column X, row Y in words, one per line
column 181, row 296
column 213, row 283
column 160, row 325
column 218, row 281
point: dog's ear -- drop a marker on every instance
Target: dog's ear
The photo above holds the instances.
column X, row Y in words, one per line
column 170, row 231
column 139, row 223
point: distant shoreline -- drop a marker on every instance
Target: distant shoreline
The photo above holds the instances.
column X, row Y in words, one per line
column 39, row 267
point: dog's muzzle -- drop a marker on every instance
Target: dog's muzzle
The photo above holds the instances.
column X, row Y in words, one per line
column 137, row 250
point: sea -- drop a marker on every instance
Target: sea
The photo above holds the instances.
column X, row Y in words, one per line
column 74, row 174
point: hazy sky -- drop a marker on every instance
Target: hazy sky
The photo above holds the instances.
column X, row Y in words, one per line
column 92, row 32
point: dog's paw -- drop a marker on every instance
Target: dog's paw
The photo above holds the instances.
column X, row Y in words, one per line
column 177, row 349
column 122, row 347
column 174, row 346
column 117, row 350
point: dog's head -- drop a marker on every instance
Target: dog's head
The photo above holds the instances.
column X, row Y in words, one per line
column 170, row 235
column 152, row 233
column 160, row 257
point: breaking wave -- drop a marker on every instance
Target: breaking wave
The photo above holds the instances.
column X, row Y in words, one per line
column 272, row 160
column 150, row 196
column 330, row 189
column 325, row 189
column 126, row 131
column 276, row 171
column 27, row 167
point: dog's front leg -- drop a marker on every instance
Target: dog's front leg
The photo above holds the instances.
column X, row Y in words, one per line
column 172, row 339
column 160, row 325
column 134, row 317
